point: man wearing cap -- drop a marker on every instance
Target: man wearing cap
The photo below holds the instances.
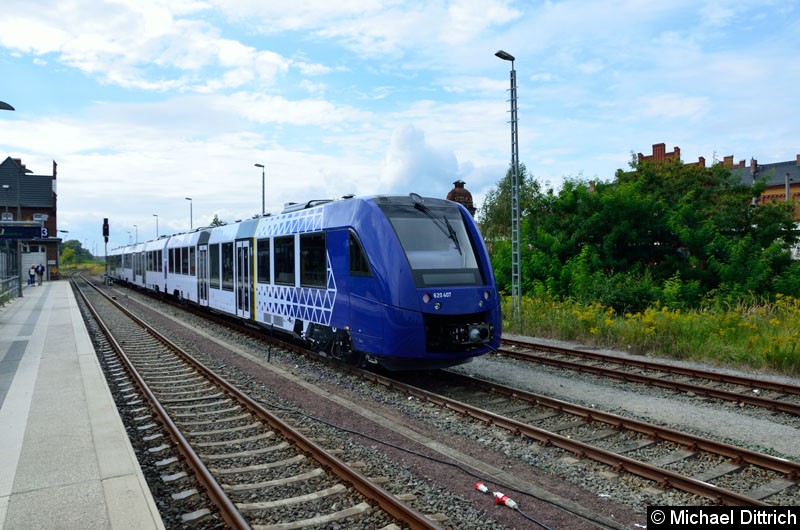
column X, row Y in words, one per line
column 460, row 195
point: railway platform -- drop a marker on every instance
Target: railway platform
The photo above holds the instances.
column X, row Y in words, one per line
column 65, row 459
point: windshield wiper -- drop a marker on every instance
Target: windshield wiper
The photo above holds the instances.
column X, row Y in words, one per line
column 446, row 228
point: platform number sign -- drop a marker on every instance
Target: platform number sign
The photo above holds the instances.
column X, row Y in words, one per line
column 44, row 232
column 105, row 229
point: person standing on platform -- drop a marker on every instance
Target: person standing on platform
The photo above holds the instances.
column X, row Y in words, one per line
column 460, row 195
column 39, row 274
column 32, row 276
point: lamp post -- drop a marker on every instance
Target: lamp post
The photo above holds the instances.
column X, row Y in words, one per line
column 516, row 302
column 190, row 212
column 156, row 216
column 7, row 253
column 788, row 187
column 136, row 239
column 58, row 257
column 5, row 106
column 263, row 207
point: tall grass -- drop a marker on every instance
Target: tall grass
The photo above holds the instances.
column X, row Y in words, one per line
column 762, row 335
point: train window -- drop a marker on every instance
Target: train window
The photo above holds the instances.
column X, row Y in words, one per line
column 192, row 270
column 227, row 266
column 172, row 261
column 262, row 260
column 437, row 244
column 213, row 269
column 159, row 261
column 313, row 269
column 185, row 260
column 284, row 260
column 359, row 266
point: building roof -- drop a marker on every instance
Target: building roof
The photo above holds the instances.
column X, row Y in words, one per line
column 774, row 173
column 25, row 189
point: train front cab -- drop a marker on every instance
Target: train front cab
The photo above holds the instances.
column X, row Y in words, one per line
column 442, row 305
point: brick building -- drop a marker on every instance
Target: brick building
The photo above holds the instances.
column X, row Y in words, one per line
column 29, row 222
column 660, row 154
column 783, row 178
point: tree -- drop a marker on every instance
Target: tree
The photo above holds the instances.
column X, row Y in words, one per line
column 68, row 256
column 80, row 254
column 217, row 222
column 669, row 232
column 495, row 214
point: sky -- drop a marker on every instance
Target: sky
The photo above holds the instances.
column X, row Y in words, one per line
column 143, row 103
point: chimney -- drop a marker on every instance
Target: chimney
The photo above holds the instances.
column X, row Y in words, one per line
column 658, row 152
column 727, row 161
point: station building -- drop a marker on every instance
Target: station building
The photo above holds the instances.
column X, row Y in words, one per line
column 29, row 223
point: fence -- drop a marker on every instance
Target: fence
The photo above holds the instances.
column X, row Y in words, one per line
column 9, row 288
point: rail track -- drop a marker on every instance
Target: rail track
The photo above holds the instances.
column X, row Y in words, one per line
column 722, row 473
column 775, row 396
column 719, row 472
column 258, row 471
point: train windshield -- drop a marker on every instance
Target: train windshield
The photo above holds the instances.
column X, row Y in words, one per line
column 436, row 242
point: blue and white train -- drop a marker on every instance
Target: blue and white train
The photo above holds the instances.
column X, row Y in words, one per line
column 400, row 281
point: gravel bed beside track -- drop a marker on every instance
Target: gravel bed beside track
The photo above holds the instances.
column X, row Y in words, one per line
column 438, row 488
column 448, row 490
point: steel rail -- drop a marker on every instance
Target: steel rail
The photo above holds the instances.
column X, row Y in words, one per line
column 388, row 502
column 619, row 462
column 227, row 509
column 758, row 401
column 790, row 469
column 762, row 384
column 662, row 477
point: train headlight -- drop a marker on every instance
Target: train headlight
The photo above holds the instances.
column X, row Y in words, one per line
column 486, row 295
column 437, row 306
column 480, row 304
column 426, row 298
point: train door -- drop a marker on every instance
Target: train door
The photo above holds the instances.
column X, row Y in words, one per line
column 243, row 285
column 202, row 274
column 366, row 322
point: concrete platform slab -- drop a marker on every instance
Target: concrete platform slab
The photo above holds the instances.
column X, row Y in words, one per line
column 65, row 457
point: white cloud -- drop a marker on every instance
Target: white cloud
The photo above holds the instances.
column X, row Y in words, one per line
column 412, row 164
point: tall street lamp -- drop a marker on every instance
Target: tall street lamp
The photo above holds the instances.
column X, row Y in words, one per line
column 516, row 301
column 156, row 216
column 263, row 207
column 5, row 106
column 190, row 212
column 136, row 240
